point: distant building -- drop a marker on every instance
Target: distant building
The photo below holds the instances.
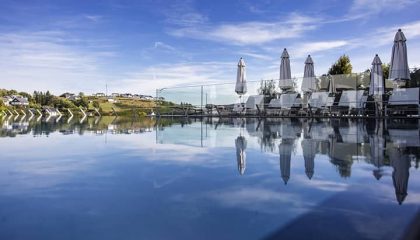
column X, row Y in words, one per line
column 127, row 95
column 19, row 101
column 99, row 95
column 70, row 96
column 146, row 97
column 115, row 94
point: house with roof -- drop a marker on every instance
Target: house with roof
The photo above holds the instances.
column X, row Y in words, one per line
column 70, row 96
column 19, row 101
column 99, row 95
column 127, row 95
column 146, row 97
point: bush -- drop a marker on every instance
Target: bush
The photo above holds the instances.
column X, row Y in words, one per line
column 59, row 102
column 95, row 104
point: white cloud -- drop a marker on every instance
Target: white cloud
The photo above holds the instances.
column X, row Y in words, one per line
column 93, row 18
column 411, row 31
column 181, row 74
column 304, row 49
column 183, row 13
column 367, row 8
column 164, row 46
column 244, row 33
column 256, row 55
column 50, row 60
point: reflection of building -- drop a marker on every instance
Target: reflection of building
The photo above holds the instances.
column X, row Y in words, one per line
column 285, row 150
column 401, row 164
column 240, row 144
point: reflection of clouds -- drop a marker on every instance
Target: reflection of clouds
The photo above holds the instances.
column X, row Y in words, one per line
column 259, row 199
column 46, row 162
column 322, row 184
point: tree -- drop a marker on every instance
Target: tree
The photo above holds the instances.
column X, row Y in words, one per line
column 82, row 102
column 96, row 104
column 43, row 99
column 63, row 103
column 385, row 70
column 268, row 89
column 415, row 78
column 26, row 95
column 341, row 66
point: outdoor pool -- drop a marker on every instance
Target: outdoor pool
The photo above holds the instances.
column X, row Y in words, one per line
column 115, row 178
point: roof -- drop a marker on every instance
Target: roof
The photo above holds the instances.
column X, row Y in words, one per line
column 21, row 100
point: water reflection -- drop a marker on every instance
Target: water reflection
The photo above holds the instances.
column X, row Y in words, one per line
column 381, row 144
column 100, row 125
column 344, row 142
column 240, row 144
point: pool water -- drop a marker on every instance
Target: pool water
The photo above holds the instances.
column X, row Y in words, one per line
column 116, row 178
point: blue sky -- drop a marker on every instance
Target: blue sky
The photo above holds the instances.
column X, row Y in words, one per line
column 138, row 46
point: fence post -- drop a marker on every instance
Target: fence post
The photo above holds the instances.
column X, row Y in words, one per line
column 201, row 99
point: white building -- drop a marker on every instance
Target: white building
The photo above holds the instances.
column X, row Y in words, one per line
column 19, row 101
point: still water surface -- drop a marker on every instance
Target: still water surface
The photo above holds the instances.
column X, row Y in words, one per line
column 114, row 178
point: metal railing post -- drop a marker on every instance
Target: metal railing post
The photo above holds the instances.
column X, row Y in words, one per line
column 201, row 99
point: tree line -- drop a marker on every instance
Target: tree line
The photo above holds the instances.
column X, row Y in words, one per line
column 39, row 99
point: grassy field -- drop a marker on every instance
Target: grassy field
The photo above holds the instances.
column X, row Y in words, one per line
column 123, row 106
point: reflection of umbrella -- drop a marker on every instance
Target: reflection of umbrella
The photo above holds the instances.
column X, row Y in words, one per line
column 309, row 151
column 285, row 73
column 377, row 148
column 240, row 87
column 240, row 144
column 399, row 63
column 285, row 149
column 308, row 82
column 377, row 83
column 401, row 164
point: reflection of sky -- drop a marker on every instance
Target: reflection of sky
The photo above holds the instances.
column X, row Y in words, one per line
column 129, row 186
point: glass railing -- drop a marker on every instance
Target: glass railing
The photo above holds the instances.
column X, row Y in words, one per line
column 332, row 95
